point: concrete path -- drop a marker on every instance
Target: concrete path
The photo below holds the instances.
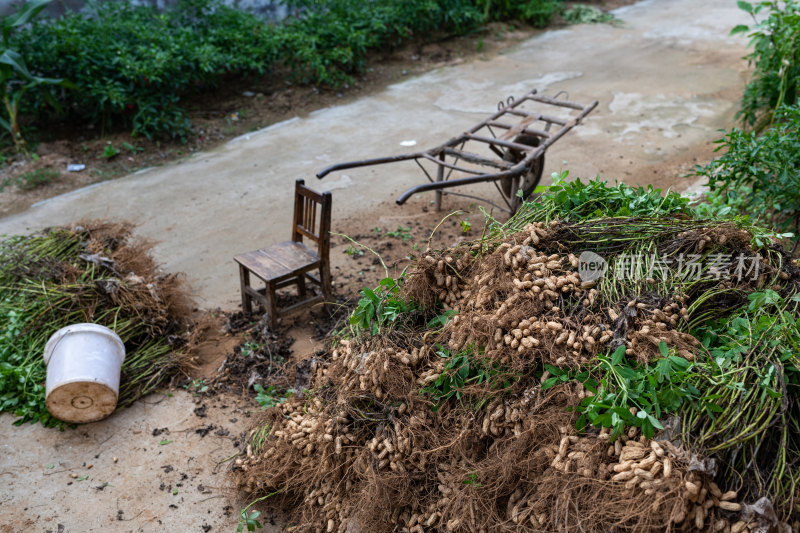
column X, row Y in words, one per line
column 667, row 80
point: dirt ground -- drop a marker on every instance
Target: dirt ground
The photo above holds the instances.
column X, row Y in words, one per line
column 159, row 465
column 173, row 449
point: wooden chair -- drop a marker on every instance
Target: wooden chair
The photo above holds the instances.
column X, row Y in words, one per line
column 291, row 262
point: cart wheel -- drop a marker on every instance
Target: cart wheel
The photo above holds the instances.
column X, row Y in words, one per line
column 529, row 180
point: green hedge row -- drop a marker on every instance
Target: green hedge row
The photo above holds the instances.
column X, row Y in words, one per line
column 133, row 65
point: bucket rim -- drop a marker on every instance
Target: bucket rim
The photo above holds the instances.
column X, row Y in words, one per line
column 85, row 327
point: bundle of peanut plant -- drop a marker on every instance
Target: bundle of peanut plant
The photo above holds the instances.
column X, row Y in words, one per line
column 95, row 272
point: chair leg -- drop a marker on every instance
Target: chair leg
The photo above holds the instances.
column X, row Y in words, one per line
column 272, row 306
column 325, row 281
column 244, row 280
column 301, row 285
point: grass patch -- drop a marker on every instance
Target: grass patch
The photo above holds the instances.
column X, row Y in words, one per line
column 583, row 14
column 32, row 179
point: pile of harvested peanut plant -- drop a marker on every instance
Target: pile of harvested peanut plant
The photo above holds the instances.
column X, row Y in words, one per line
column 97, row 272
column 496, row 389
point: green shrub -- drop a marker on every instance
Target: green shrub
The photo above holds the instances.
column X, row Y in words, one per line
column 776, row 57
column 760, row 174
column 15, row 78
column 133, row 65
column 537, row 12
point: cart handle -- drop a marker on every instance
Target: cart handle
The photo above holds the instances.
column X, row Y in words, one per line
column 368, row 162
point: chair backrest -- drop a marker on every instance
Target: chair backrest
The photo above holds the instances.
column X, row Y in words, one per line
column 312, row 218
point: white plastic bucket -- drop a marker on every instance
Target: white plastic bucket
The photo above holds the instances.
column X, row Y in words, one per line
column 83, row 367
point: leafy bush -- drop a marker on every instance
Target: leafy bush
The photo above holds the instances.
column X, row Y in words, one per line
column 15, row 78
column 535, row 12
column 759, row 174
column 775, row 56
column 132, row 65
column 328, row 39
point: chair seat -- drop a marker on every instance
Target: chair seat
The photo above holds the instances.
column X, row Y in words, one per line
column 280, row 261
